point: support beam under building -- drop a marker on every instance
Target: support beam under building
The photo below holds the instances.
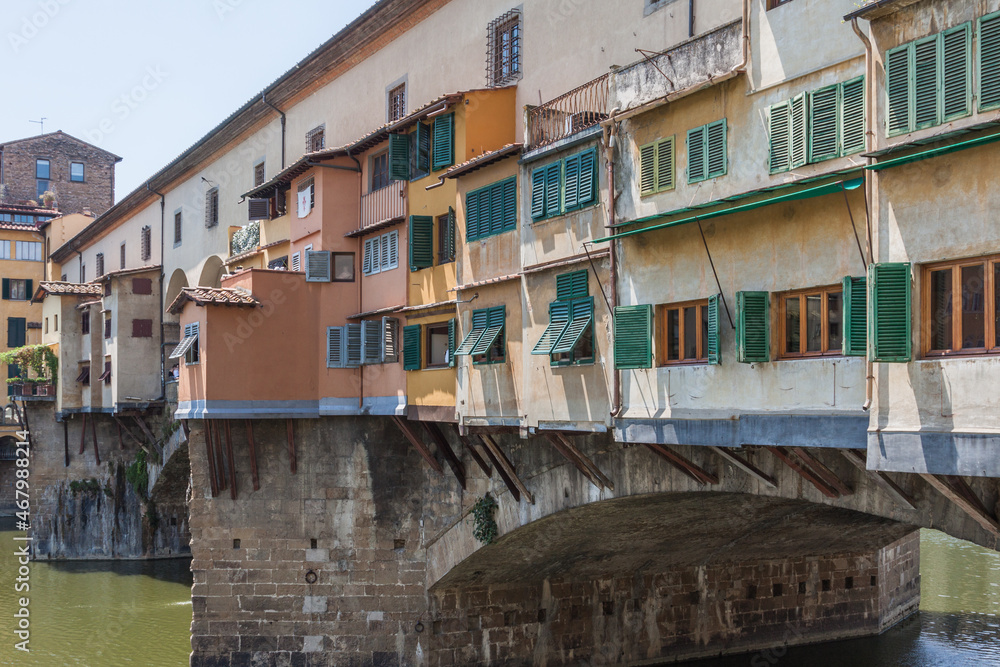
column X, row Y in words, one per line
column 689, row 468
column 506, row 469
column 449, row 454
column 417, row 442
column 958, row 492
column 879, row 478
column 746, row 466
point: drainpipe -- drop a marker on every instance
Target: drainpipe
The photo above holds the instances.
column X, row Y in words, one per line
column 263, row 98
column 869, row 203
column 609, row 141
column 690, row 18
column 361, row 278
column 163, row 360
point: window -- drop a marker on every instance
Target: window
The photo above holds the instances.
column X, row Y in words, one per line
column 988, row 61
column 485, row 343
column 17, row 329
column 420, row 151
column 687, row 332
column 812, row 322
column 85, row 322
column 212, row 207
column 380, row 171
column 107, row 326
column 147, row 242
column 306, row 197
column 5, row 250
column 503, row 51
column 564, row 186
column 439, row 342
column 771, row 4
column 56, row 322
column 381, row 253
column 106, row 375
column 189, row 347
column 569, row 336
column 396, row 103
column 100, row 264
column 316, row 139
column 819, row 125
column 28, row 251
column 706, row 146
column 443, row 150
column 41, row 189
column 368, row 342
column 17, row 289
column 259, row 173
column 42, row 170
column 961, row 313
column 929, row 81
column 46, row 330
column 84, row 376
column 656, row 166
column 177, row 228
column 76, row 172
column 278, row 264
column 142, row 328
column 343, row 267
column 446, row 237
column 491, row 210
column 122, row 256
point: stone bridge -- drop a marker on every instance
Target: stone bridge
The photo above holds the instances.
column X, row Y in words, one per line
column 350, row 541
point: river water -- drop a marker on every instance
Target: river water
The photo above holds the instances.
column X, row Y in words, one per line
column 120, row 614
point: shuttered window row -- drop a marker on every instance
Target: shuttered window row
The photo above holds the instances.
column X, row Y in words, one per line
column 656, row 166
column 491, row 210
column 564, row 186
column 366, row 342
column 817, row 125
column 707, row 153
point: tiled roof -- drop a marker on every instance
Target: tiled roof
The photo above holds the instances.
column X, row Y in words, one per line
column 483, row 160
column 126, row 272
column 203, row 296
column 60, row 288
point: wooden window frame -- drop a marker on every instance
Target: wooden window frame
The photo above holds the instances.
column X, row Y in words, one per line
column 83, row 172
column 259, row 173
column 825, row 350
column 662, row 332
column 333, row 267
column 382, row 155
column 431, row 329
column 774, row 4
column 989, row 264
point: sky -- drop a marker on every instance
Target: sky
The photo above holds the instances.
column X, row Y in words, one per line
column 145, row 79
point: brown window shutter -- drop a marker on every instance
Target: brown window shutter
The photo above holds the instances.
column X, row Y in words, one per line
column 142, row 328
column 107, row 328
column 142, row 286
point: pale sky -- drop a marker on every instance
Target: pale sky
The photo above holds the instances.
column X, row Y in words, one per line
column 145, row 79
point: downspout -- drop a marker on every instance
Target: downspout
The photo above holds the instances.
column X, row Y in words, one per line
column 263, row 98
column 80, row 255
column 361, row 277
column 690, row 18
column 869, row 147
column 609, row 154
column 163, row 360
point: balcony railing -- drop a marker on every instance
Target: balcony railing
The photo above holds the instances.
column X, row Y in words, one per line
column 33, row 390
column 570, row 113
column 383, row 204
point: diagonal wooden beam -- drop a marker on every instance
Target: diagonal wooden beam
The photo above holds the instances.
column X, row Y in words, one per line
column 232, row 462
column 586, row 461
column 292, row 459
column 879, row 478
column 503, row 463
column 575, row 460
column 83, row 435
column 417, row 442
column 823, row 472
column 746, row 467
column 508, row 482
column 478, row 456
column 124, row 427
column 449, row 454
column 220, row 458
column 973, row 507
column 149, row 434
column 93, row 433
column 689, row 468
column 253, row 454
column 211, row 458
column 806, row 474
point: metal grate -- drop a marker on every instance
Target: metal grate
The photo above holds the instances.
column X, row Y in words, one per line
column 503, row 53
column 397, row 103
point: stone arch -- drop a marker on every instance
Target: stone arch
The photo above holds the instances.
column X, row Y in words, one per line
column 211, row 272
column 178, row 281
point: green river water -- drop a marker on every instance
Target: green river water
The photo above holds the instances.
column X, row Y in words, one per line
column 120, row 614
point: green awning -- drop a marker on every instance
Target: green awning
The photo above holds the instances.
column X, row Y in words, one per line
column 934, row 152
column 808, row 193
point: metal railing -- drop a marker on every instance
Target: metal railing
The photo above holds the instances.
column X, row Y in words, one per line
column 383, row 204
column 570, row 113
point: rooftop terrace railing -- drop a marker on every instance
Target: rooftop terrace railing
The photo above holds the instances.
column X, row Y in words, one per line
column 572, row 112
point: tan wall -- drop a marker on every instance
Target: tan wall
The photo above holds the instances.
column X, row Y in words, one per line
column 20, row 269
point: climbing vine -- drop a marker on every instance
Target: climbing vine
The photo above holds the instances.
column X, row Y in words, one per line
column 40, row 359
column 484, row 525
column 246, row 238
column 137, row 474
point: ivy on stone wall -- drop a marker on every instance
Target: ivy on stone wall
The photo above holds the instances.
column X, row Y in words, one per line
column 484, row 525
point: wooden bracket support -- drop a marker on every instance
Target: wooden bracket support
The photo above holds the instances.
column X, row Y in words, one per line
column 880, row 479
column 687, row 467
column 83, row 434
column 746, row 466
column 149, row 434
column 139, row 441
column 802, row 469
column 290, row 428
column 253, row 454
column 823, row 472
column 506, row 469
column 210, row 449
column 449, row 454
column 418, row 443
column 232, row 463
column 956, row 490
column 478, row 455
column 66, row 442
column 220, row 457
column 93, row 433
column 572, row 454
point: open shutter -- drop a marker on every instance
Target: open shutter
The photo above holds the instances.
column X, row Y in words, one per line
column 444, row 141
column 855, row 317
column 423, row 148
column 421, row 242
column 366, row 263
column 889, row 312
column 494, row 329
column 537, row 194
column 697, row 168
column 852, row 116
column 6, row 288
column 399, row 157
column 988, row 60
column 553, row 184
column 318, row 266
column 509, row 208
column 664, row 165
column 480, row 318
column 823, row 124
column 390, row 340
column 779, row 130
column 558, row 319
column 411, row 347
column 926, row 83
column 572, row 285
column 716, row 147
column 335, row 347
column 633, row 337
column 897, row 86
column 647, row 169
column 714, row 351
column 587, row 189
column 452, row 334
column 449, row 237
column 354, row 345
column 371, row 341
column 798, row 142
column 581, row 317
column 956, row 72
column 571, row 191
column 753, row 326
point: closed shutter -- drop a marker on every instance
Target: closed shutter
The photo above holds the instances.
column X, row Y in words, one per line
column 480, row 319
column 852, row 116
column 423, row 148
column 697, row 168
column 399, row 157
column 444, row 141
column 714, row 350
column 421, row 242
column 633, row 337
column 716, row 148
column 142, row 286
column 581, row 316
column 753, row 326
column 259, row 209
column 318, row 266
column 926, row 98
column 956, row 72
column 553, row 184
column 495, row 318
column 29, row 285
column 779, row 136
column 335, row 352
column 390, row 340
column 371, row 341
column 472, row 216
column 572, row 285
column 411, row 347
column 390, row 250
column 366, row 263
column 647, row 169
column 823, row 124
column 558, row 319
column 988, row 61
column 353, row 346
column 496, row 209
column 587, row 189
column 571, row 175
column 449, row 236
column 855, row 317
column 142, row 328
column 509, row 188
column 537, row 194
column 16, row 331
column 889, row 312
column 798, row 144
column 897, row 86
column 665, row 165
column 452, row 334
column 296, row 261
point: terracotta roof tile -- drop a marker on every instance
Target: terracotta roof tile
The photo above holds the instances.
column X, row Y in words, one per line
column 203, row 296
column 483, row 160
column 60, row 288
column 126, row 272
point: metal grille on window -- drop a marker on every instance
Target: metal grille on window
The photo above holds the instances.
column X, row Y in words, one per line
column 316, row 139
column 147, row 234
column 397, row 102
column 503, row 53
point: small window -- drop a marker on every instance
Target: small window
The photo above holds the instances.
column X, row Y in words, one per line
column 503, row 57
column 306, row 197
column 380, row 171
column 147, row 242
column 212, row 207
column 76, row 172
column 107, row 326
column 46, row 330
column 316, row 139
column 485, row 343
column 56, row 322
column 177, row 228
column 5, row 251
column 683, row 332
column 42, row 170
column 706, row 147
column 259, row 173
column 396, row 103
column 100, row 264
column 122, row 256
column 19, row 289
column 343, row 267
column 437, row 346
column 812, row 322
column 106, row 375
column 656, row 166
column 962, row 302
column 446, row 238
column 84, row 376
column 85, row 322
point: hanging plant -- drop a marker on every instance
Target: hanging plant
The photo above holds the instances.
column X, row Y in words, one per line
column 484, row 525
column 38, row 358
column 137, row 474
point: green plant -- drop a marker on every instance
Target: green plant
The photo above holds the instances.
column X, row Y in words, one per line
column 484, row 525
column 38, row 358
column 137, row 474
column 89, row 486
column 246, row 238
column 151, row 517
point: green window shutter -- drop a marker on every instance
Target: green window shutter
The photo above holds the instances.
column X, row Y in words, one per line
column 496, row 209
column 855, row 317
column 798, row 141
column 553, row 185
column 538, row 194
column 399, row 157
column 714, row 350
column 423, row 148
column 587, row 189
column 581, row 316
column 6, row 288
column 572, row 285
column 988, row 61
column 779, row 135
column 571, row 192
column 697, row 167
column 889, row 312
column 558, row 319
column 665, row 165
column 449, row 237
column 753, row 326
column 897, row 86
column 480, row 318
column 452, row 334
column 444, row 141
column 509, row 216
column 823, row 124
column 472, row 216
column 633, row 337
column 494, row 329
column 715, row 148
column 411, row 347
column 852, row 116
column 421, row 242
column 28, row 285
column 16, row 331
column 956, row 72
column 926, row 83
column 647, row 169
